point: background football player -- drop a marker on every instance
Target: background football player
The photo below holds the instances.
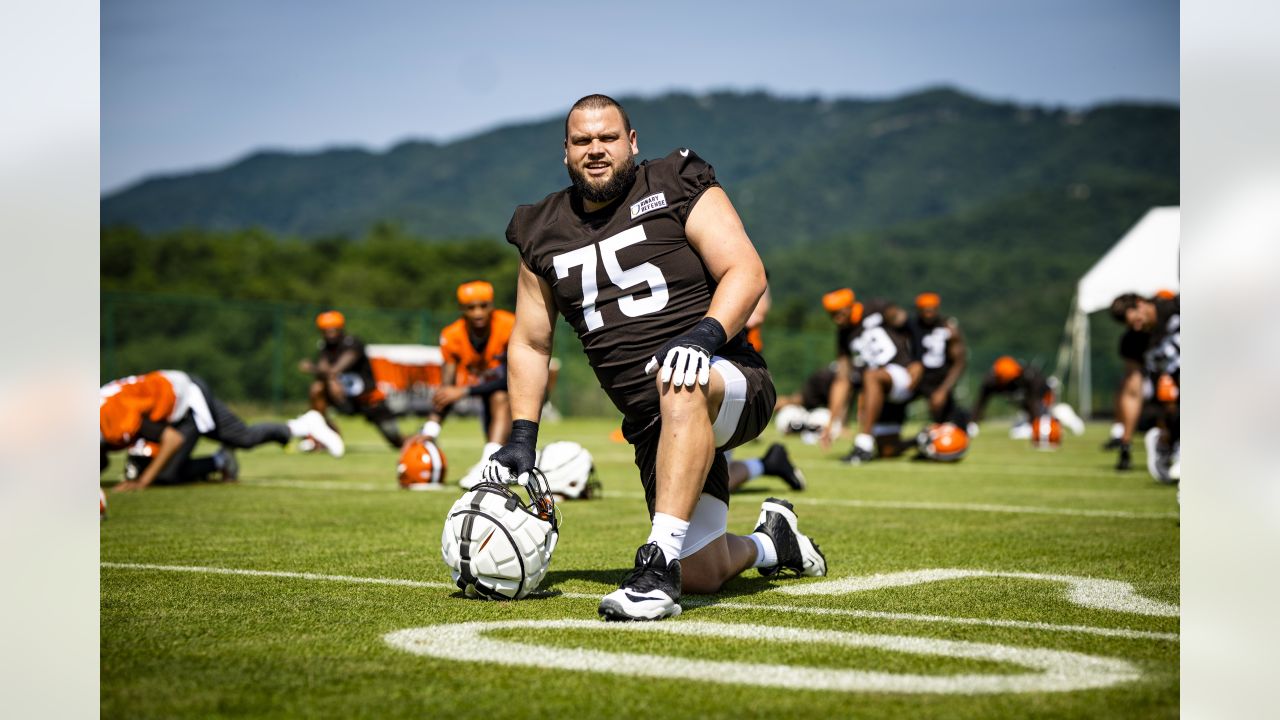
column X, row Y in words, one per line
column 651, row 266
column 1160, row 319
column 876, row 337
column 344, row 379
column 942, row 351
column 1025, row 387
column 475, row 365
column 174, row 410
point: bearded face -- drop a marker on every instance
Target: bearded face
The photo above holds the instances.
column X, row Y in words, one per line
column 599, row 153
column 601, row 188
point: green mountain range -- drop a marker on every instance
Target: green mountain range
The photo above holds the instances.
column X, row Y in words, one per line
column 798, row 170
column 998, row 207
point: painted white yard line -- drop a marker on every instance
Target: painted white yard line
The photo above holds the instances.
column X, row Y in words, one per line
column 277, row 574
column 937, row 469
column 842, row 502
column 389, row 486
column 988, row 507
column 1089, row 592
column 958, row 507
column 689, row 602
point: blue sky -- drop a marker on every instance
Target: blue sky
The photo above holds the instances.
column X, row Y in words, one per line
column 188, row 85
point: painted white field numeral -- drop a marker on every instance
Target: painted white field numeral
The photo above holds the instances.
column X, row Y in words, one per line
column 1043, row 669
column 624, row 278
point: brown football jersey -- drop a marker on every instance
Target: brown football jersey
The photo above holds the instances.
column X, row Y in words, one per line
column 874, row 343
column 625, row 277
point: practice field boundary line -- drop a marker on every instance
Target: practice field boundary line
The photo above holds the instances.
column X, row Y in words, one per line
column 885, row 504
column 690, row 602
column 962, row 507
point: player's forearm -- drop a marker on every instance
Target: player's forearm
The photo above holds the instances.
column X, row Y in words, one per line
column 170, row 441
column 953, row 376
column 838, row 400
column 980, row 408
column 1129, row 403
column 344, row 362
column 737, row 295
column 527, row 375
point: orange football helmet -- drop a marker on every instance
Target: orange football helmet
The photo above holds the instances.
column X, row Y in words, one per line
column 422, row 465
column 1046, row 432
column 1166, row 389
column 944, row 442
column 1006, row 369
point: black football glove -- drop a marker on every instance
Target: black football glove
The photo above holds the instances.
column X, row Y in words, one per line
column 687, row 358
column 514, row 460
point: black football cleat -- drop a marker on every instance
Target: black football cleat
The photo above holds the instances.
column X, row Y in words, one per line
column 650, row 592
column 797, row 554
column 230, row 467
column 777, row 463
column 1125, row 461
column 857, row 456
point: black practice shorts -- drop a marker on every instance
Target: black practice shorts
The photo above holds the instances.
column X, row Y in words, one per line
column 749, row 395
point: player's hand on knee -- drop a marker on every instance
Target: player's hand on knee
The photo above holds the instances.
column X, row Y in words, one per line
column 513, row 461
column 686, row 359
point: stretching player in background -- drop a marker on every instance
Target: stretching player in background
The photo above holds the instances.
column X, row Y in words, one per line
column 1135, row 405
column 1160, row 318
column 1025, row 387
column 475, row 365
column 174, row 410
column 876, row 337
column 652, row 268
column 943, row 353
column 343, row 379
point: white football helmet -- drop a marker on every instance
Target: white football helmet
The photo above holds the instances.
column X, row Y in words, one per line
column 570, row 470
column 790, row 419
column 815, row 423
column 495, row 545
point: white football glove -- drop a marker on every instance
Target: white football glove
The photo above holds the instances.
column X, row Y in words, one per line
column 683, row 366
column 686, row 359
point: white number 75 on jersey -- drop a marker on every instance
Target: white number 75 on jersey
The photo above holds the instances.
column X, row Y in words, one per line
column 644, row 273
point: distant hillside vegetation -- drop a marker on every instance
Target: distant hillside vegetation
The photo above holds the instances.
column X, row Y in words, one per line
column 798, row 170
column 998, row 207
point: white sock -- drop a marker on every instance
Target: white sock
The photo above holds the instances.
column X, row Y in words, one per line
column 755, row 468
column 669, row 531
column 489, row 449
column 766, row 553
column 863, row 441
column 1117, row 430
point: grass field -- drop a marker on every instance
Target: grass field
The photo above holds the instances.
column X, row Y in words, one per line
column 344, row 561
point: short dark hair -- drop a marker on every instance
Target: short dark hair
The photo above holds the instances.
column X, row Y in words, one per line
column 1121, row 306
column 597, row 102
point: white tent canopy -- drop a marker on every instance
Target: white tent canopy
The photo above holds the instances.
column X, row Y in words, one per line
column 1144, row 261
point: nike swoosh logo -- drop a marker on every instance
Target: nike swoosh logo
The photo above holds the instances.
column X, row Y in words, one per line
column 684, row 152
column 639, row 598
